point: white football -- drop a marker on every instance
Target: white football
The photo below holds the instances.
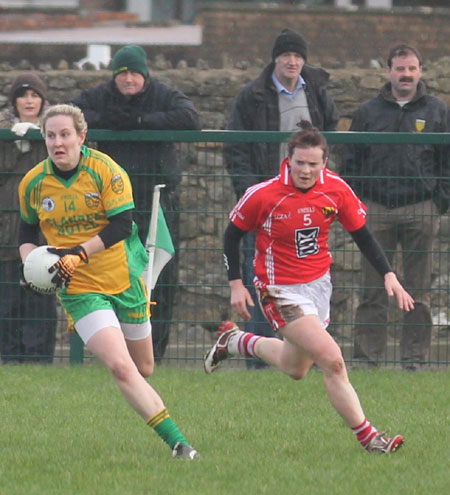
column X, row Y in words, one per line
column 35, row 270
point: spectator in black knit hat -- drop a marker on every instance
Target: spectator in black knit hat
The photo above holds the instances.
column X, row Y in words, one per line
column 28, row 329
column 286, row 92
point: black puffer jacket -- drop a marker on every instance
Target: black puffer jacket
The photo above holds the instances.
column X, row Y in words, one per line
column 157, row 107
column 400, row 174
column 256, row 109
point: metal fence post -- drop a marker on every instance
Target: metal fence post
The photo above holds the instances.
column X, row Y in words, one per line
column 76, row 349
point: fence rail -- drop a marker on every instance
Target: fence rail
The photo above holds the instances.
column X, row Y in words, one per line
column 214, row 136
column 201, row 294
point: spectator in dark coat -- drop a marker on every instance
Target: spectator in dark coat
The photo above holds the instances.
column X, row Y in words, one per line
column 132, row 100
column 405, row 187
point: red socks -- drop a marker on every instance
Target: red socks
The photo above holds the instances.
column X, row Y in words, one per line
column 246, row 344
column 364, row 432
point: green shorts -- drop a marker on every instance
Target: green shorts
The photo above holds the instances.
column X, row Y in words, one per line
column 130, row 306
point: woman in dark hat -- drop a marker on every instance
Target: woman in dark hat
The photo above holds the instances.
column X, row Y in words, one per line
column 28, row 96
column 29, row 320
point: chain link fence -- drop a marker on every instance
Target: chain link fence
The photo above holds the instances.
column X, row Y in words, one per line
column 200, row 294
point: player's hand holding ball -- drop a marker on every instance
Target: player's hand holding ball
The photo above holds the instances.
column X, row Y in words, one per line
column 67, row 264
column 35, row 274
column 24, row 284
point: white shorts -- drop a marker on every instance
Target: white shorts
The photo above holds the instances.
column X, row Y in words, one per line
column 282, row 304
column 90, row 324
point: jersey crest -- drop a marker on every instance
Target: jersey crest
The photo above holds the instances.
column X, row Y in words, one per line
column 328, row 211
column 92, row 200
column 117, row 184
column 48, row 204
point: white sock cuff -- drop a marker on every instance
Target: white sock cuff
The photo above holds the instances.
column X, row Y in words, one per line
column 233, row 344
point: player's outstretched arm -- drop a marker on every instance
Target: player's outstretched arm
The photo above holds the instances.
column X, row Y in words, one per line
column 240, row 298
column 394, row 288
column 373, row 251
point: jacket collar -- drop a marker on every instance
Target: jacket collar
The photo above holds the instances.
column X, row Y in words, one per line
column 311, row 75
column 386, row 92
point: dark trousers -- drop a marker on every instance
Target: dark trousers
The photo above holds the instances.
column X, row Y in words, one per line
column 258, row 324
column 27, row 320
column 165, row 289
column 414, row 228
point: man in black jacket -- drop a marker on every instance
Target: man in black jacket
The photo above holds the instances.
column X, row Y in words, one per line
column 134, row 100
column 406, row 187
column 286, row 92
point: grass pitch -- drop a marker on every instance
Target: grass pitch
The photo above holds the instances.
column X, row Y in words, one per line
column 66, row 430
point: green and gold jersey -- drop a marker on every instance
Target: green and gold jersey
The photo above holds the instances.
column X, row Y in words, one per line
column 72, row 211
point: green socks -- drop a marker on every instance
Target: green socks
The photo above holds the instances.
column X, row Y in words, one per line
column 165, row 427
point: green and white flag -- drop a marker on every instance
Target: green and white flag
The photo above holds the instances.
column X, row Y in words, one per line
column 158, row 244
column 162, row 248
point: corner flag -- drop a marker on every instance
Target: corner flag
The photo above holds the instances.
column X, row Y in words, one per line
column 164, row 249
column 158, row 244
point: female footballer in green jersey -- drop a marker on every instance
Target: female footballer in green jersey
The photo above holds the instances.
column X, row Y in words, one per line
column 82, row 201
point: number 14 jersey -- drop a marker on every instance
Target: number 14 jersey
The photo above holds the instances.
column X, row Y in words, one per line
column 293, row 226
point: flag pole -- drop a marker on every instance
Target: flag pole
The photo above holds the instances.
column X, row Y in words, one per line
column 150, row 243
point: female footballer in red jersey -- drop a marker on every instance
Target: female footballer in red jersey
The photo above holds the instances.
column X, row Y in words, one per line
column 82, row 201
column 291, row 215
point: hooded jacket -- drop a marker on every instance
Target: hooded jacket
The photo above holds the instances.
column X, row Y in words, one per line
column 256, row 109
column 396, row 175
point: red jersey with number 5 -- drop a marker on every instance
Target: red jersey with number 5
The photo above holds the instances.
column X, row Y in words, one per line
column 293, row 226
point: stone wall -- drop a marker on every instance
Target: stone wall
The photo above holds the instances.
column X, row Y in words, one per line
column 206, row 190
column 236, row 30
column 246, row 30
column 213, row 90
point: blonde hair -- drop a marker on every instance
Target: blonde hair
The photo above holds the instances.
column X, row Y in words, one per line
column 79, row 122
